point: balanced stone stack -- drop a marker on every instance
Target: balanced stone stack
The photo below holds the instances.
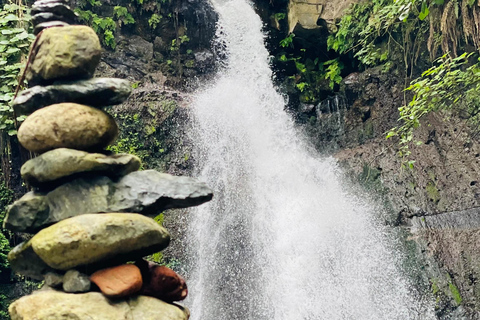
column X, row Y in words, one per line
column 91, row 210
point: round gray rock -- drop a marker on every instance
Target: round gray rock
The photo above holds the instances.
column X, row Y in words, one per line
column 67, row 125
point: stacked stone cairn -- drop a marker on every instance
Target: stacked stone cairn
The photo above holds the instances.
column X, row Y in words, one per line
column 91, row 211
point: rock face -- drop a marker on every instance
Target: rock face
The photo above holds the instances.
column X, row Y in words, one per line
column 52, row 305
column 119, row 281
column 67, row 125
column 307, row 13
column 61, row 163
column 93, row 238
column 146, row 192
column 97, row 92
column 76, row 56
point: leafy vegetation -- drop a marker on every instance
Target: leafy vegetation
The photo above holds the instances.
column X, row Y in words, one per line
column 105, row 27
column 15, row 40
column 375, row 32
column 445, row 86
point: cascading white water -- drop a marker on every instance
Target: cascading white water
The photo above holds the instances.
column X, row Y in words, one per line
column 282, row 239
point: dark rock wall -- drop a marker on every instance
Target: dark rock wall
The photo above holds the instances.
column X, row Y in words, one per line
column 443, row 182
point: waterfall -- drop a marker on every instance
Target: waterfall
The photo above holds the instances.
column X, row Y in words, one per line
column 282, row 239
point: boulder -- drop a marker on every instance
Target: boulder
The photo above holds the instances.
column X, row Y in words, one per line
column 161, row 282
column 75, row 57
column 146, row 192
column 54, row 305
column 93, row 238
column 23, row 260
column 76, row 282
column 61, row 163
column 119, row 281
column 67, row 125
column 97, row 92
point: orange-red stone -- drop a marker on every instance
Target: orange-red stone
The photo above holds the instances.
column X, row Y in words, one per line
column 119, row 281
column 161, row 282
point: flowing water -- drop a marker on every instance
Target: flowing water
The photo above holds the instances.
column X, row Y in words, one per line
column 282, row 239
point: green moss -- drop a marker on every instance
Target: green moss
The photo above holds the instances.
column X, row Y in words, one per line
column 455, row 293
column 169, row 106
column 435, row 288
column 190, row 63
column 368, row 130
column 432, row 192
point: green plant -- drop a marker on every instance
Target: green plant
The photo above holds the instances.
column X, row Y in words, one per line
column 447, row 86
column 333, row 71
column 455, row 293
column 280, row 16
column 105, row 27
column 175, row 45
column 6, row 197
column 122, row 15
column 288, row 41
column 15, row 40
column 154, row 20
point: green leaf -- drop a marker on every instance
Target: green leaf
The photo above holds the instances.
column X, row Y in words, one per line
column 425, row 11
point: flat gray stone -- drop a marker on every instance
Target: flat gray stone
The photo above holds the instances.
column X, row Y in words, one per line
column 97, row 92
column 48, row 16
column 60, row 163
column 146, row 192
column 55, row 7
column 76, row 282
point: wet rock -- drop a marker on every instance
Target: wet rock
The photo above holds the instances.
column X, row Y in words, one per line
column 92, row 238
column 61, row 163
column 146, row 192
column 97, row 92
column 204, row 60
column 76, row 56
column 23, row 260
column 160, row 45
column 161, row 282
column 75, row 282
column 67, row 125
column 58, row 8
column 139, row 48
column 48, row 16
column 53, row 279
column 119, row 281
column 53, row 305
column 49, row 24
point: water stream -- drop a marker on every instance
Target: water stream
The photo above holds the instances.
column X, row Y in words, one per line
column 282, row 239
